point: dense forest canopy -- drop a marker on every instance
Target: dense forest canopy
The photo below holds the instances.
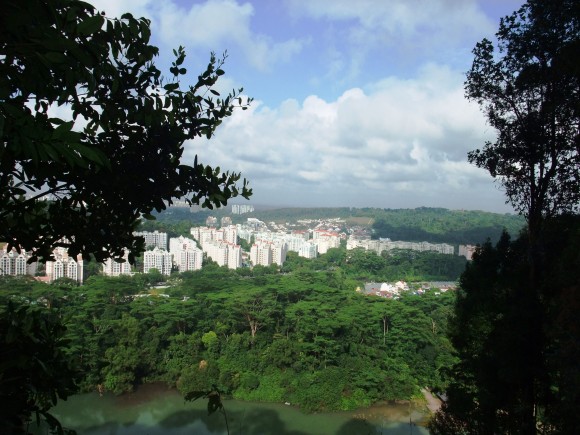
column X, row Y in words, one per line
column 305, row 336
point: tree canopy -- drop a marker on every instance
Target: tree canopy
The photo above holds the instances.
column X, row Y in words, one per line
column 512, row 328
column 529, row 89
column 84, row 180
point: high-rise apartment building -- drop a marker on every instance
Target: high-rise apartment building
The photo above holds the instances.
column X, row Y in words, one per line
column 153, row 239
column 231, row 234
column 65, row 266
column 325, row 240
column 242, row 208
column 157, row 259
column 113, row 267
column 261, row 253
column 13, row 263
column 186, row 254
column 308, row 250
column 211, row 221
column 279, row 251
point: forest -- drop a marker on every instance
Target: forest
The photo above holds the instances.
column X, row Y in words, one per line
column 301, row 335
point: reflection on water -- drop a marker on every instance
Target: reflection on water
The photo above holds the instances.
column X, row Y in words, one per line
column 153, row 410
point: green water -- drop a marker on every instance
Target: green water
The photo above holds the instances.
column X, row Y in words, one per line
column 156, row 410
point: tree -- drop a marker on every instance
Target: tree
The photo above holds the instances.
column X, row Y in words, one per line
column 35, row 370
column 509, row 317
column 84, row 181
column 530, row 93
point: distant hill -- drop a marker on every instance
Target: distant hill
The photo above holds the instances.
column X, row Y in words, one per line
column 442, row 225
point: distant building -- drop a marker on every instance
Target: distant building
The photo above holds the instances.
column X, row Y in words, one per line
column 325, row 240
column 65, row 266
column 211, row 221
column 113, row 267
column 153, row 239
column 279, row 251
column 157, row 259
column 386, row 245
column 13, row 263
column 186, row 254
column 226, row 220
column 242, row 208
column 261, row 253
column 467, row 251
column 308, row 250
column 231, row 234
column 203, row 234
column 224, row 253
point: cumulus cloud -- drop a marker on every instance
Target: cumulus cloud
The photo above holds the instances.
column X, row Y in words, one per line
column 398, row 140
column 376, row 116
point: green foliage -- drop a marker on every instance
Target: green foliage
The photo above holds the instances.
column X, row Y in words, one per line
column 518, row 368
column 528, row 90
column 86, row 188
column 437, row 225
column 298, row 337
column 35, row 370
column 401, row 264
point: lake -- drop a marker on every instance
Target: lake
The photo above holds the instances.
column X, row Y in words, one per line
column 154, row 409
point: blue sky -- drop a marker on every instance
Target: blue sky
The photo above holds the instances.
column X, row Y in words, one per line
column 356, row 102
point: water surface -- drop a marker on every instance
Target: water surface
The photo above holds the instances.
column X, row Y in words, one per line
column 156, row 410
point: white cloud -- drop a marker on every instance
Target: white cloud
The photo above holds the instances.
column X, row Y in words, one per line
column 212, row 25
column 403, row 140
column 400, row 17
column 116, row 8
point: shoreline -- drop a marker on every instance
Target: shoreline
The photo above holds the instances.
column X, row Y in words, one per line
column 392, row 411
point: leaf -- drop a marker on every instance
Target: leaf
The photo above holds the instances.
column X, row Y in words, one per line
column 91, row 25
column 171, row 87
column 55, row 57
column 60, row 131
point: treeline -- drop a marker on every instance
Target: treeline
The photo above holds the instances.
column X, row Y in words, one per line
column 303, row 336
column 398, row 264
column 438, row 225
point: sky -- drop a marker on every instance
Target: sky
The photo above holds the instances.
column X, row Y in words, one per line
column 357, row 103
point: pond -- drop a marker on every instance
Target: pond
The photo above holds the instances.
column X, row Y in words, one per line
column 155, row 410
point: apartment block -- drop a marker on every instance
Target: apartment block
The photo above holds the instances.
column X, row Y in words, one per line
column 65, row 266
column 186, row 254
column 158, row 259
column 261, row 253
column 153, row 239
column 113, row 267
column 13, row 263
column 308, row 250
